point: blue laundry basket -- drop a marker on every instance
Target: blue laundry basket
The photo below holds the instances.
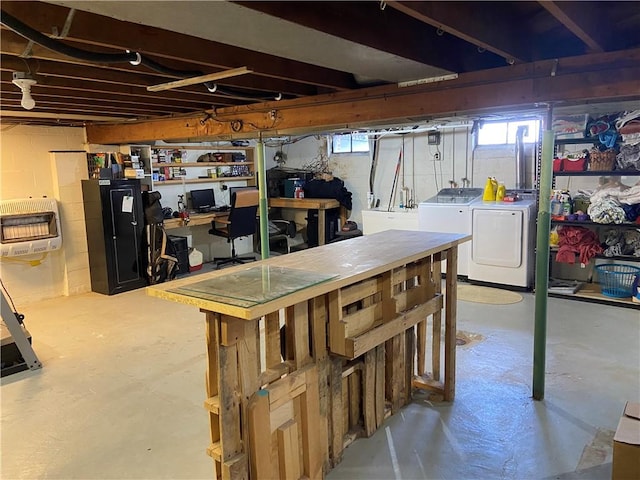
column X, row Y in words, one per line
column 617, row 280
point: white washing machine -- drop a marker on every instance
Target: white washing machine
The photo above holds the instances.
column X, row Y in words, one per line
column 503, row 248
column 448, row 212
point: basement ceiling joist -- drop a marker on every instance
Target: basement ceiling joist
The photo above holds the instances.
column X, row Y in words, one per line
column 301, row 50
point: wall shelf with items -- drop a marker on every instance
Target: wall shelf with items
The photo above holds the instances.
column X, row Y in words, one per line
column 590, row 290
column 184, row 165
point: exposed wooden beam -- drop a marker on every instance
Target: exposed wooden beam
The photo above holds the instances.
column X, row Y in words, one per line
column 584, row 20
column 387, row 30
column 13, row 44
column 160, row 44
column 519, row 86
column 493, row 29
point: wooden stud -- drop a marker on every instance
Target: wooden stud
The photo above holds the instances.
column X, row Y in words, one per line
column 318, row 311
column 230, row 427
column 337, row 411
column 345, row 404
column 355, row 399
column 437, row 319
column 259, row 432
column 336, row 325
column 211, row 381
column 369, row 392
column 380, row 384
column 410, row 351
column 451, row 305
column 421, row 328
column 297, row 321
column 313, row 443
column 272, row 339
column 288, row 451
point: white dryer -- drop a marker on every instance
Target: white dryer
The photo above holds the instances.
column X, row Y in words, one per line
column 503, row 247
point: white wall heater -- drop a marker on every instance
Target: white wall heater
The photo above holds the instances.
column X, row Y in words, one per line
column 29, row 225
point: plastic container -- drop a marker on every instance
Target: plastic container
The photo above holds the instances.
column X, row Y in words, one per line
column 617, row 280
column 490, row 189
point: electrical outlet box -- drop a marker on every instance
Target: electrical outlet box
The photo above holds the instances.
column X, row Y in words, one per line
column 433, row 138
column 436, row 156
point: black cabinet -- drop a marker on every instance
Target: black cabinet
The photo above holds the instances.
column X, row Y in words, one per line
column 115, row 224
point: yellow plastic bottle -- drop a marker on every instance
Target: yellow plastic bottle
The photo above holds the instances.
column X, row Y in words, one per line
column 489, row 194
column 500, row 192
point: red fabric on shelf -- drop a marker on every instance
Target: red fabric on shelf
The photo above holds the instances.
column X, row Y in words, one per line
column 577, row 240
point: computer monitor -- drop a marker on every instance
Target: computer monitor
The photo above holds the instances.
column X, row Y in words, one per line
column 233, row 190
column 202, row 200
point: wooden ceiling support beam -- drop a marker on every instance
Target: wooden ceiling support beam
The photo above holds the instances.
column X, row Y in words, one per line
column 495, row 30
column 520, row 86
column 584, row 21
column 161, row 44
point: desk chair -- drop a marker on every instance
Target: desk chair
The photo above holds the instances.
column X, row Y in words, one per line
column 239, row 222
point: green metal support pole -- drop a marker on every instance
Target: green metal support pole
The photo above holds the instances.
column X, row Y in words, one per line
column 542, row 261
column 264, row 211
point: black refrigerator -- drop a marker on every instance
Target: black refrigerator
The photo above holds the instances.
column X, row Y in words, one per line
column 115, row 225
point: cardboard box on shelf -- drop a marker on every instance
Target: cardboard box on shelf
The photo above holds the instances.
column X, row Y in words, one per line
column 626, row 444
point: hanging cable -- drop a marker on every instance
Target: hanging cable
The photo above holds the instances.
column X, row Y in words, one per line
column 134, row 58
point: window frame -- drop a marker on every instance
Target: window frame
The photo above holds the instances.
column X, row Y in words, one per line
column 351, row 151
column 531, row 138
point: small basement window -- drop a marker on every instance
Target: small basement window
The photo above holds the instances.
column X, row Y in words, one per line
column 349, row 143
column 504, row 133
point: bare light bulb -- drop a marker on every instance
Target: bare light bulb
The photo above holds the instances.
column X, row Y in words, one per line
column 27, row 101
column 24, row 82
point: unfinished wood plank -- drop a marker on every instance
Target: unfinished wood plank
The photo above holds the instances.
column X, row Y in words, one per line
column 274, row 373
column 231, row 330
column 355, row 398
column 362, row 320
column 318, row 309
column 346, row 404
column 369, row 393
column 427, row 383
column 288, row 451
column 247, row 345
column 229, row 386
column 280, row 415
column 337, row 412
column 318, row 313
column 359, row 291
column 356, row 346
column 297, row 321
column 450, row 312
column 336, row 325
column 272, row 339
column 380, row 384
column 212, row 381
column 421, row 328
column 410, row 351
column 287, row 388
column 236, row 468
column 312, row 440
column 259, row 433
column 436, row 333
column 212, row 404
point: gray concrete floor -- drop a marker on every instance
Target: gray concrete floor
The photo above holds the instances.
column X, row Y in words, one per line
column 122, row 388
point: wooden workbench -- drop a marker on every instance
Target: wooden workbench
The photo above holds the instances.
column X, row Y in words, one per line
column 355, row 314
column 320, row 204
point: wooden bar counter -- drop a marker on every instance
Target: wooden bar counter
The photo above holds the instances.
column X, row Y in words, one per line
column 355, row 313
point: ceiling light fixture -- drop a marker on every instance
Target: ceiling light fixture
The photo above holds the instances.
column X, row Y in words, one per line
column 25, row 81
column 234, row 72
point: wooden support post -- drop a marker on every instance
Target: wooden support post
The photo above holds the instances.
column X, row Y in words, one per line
column 212, row 320
column 369, row 392
column 318, row 317
column 437, row 319
column 380, row 384
column 337, row 411
column 451, row 305
column 426, row 282
column 410, row 351
column 230, row 426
